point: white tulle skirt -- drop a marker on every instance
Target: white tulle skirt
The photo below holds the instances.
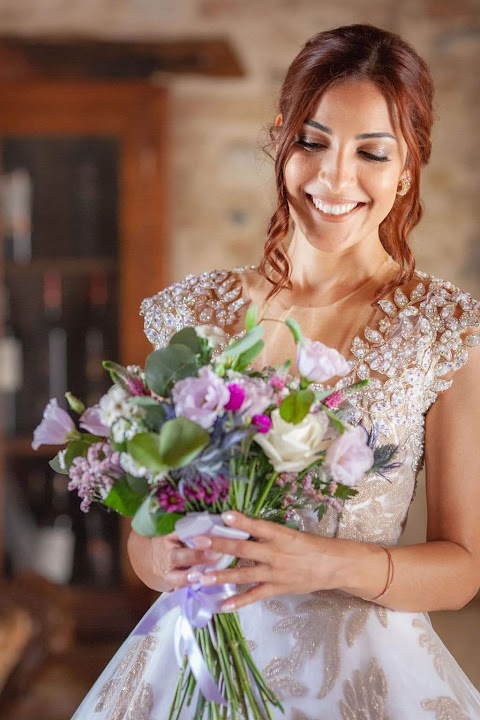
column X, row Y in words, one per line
column 326, row 655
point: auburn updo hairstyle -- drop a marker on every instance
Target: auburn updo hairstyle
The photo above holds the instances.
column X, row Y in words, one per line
column 354, row 52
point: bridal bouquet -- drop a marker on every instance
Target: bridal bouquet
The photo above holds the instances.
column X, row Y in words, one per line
column 195, row 433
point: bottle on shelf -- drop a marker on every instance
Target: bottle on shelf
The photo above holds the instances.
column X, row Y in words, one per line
column 16, row 210
column 11, row 366
column 56, row 336
column 98, row 323
column 55, row 539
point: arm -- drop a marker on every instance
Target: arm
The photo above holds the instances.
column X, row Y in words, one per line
column 442, row 573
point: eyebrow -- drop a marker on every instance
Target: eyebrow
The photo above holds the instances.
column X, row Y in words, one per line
column 362, row 136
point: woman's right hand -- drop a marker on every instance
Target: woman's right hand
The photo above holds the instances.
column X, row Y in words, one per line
column 164, row 563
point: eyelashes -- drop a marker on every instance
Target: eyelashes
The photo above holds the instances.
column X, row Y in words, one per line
column 312, row 147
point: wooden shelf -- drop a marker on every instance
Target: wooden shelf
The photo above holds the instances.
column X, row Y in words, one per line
column 21, row 446
column 64, row 265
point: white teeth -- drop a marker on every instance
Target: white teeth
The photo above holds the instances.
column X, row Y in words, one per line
column 333, row 209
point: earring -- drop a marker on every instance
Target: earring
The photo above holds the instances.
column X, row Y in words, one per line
column 403, row 185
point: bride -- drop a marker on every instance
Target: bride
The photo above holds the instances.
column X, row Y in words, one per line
column 336, row 613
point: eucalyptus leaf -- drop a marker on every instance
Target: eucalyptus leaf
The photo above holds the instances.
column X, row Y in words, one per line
column 144, row 519
column 145, row 450
column 180, row 441
column 296, row 406
column 251, row 317
column 187, row 336
column 165, row 524
column 337, row 424
column 138, row 484
column 77, row 448
column 56, row 466
column 167, row 365
column 123, row 498
column 295, row 329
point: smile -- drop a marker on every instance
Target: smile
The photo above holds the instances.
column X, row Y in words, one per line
column 330, row 209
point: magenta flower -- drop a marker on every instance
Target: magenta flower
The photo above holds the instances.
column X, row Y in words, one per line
column 348, row 457
column 94, row 476
column 262, row 423
column 258, row 395
column 169, row 499
column 201, row 399
column 136, row 386
column 318, row 363
column 206, row 491
column 237, row 397
column 277, row 382
column 56, row 427
column 90, row 421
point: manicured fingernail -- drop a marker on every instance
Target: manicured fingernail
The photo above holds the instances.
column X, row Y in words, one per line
column 212, row 555
column 208, row 580
column 228, row 606
column 193, row 577
column 202, row 542
column 228, row 517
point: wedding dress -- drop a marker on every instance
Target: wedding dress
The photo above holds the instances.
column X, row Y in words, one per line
column 327, row 654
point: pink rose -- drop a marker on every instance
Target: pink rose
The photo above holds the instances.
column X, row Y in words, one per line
column 348, row 457
column 318, row 363
column 201, row 399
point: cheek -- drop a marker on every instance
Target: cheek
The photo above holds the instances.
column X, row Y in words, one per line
column 296, row 173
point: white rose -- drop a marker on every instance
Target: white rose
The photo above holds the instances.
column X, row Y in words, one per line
column 212, row 334
column 292, row 448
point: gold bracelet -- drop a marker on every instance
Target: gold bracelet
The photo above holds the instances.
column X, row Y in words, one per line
column 390, row 574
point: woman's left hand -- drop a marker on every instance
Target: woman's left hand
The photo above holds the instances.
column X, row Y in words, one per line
column 286, row 561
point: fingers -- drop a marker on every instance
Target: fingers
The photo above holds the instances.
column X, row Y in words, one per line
column 259, row 592
column 259, row 529
column 238, row 575
column 185, row 557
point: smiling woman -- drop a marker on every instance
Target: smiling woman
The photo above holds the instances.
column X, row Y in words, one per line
column 334, row 611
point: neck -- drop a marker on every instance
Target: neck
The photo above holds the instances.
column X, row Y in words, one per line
column 332, row 275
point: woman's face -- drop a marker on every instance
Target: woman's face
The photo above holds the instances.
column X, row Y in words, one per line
column 344, row 168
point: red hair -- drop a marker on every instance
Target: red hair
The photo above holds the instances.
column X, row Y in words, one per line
column 354, row 52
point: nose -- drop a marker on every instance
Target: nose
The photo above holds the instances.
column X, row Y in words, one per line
column 336, row 171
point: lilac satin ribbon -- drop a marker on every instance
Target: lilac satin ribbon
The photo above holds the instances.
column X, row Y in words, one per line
column 197, row 604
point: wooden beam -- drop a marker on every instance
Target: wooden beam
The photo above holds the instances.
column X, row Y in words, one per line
column 87, row 58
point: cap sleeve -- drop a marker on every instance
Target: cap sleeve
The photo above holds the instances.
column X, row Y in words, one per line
column 453, row 317
column 213, row 298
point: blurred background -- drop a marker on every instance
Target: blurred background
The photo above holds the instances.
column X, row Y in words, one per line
column 131, row 136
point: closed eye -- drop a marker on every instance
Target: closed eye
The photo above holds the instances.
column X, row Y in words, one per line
column 309, row 145
column 373, row 158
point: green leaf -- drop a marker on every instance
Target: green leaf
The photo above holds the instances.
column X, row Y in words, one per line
column 296, row 406
column 123, row 499
column 244, row 360
column 138, row 485
column 181, row 440
column 76, row 405
column 337, row 424
column 344, row 492
column 295, row 329
column 237, row 347
column 77, row 448
column 143, row 401
column 145, row 450
column 117, row 373
column 144, row 519
column 167, row 365
column 155, row 413
column 165, row 524
column 55, row 465
column 188, row 337
column 251, row 317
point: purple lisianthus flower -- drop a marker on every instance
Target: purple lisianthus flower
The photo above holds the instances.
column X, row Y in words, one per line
column 258, row 395
column 262, row 423
column 348, row 457
column 56, row 427
column 318, row 363
column 201, row 399
column 237, row 397
column 90, row 421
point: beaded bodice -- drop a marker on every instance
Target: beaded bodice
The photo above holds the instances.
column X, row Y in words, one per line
column 418, row 338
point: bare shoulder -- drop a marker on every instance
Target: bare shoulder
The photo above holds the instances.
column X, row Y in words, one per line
column 211, row 298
